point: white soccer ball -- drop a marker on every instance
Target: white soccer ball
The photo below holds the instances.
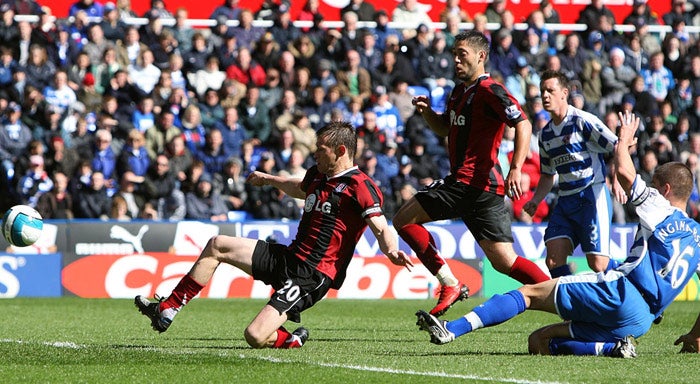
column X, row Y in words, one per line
column 22, row 225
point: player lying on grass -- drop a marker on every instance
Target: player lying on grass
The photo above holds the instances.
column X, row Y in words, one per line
column 341, row 201
column 605, row 311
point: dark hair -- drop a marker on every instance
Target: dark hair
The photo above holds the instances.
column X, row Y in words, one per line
column 474, row 39
column 551, row 74
column 339, row 133
column 678, row 175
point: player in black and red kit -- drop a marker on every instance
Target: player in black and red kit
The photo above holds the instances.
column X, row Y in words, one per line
column 340, row 202
column 477, row 113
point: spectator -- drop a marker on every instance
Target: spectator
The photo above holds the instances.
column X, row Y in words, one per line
column 58, row 202
column 180, row 158
column 405, row 175
column 494, row 11
column 133, row 200
column 590, row 16
column 112, row 26
column 105, row 70
column 635, row 57
column 143, row 117
column 14, row 138
column 90, row 7
column 423, row 165
column 388, row 116
column 133, row 157
column 34, row 182
column 311, row 12
column 228, row 9
column 282, row 28
column 127, row 95
column 93, row 201
column 304, row 135
column 205, row 203
column 196, row 58
column 372, row 135
column 255, row 117
column 166, row 46
column 165, row 201
column 382, row 30
column 144, row 74
column 364, row 10
column 210, row 77
column 213, row 154
column 616, row 79
column 39, row 69
column 231, row 184
column 128, row 50
column 192, row 129
column 61, row 159
column 104, row 159
column 658, row 79
column 271, row 93
column 245, row 70
column 644, row 103
column 402, row 99
column 409, row 14
column 504, row 54
column 678, row 12
column 266, row 202
column 266, row 51
column 246, row 34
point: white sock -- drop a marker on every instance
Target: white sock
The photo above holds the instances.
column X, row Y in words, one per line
column 445, row 276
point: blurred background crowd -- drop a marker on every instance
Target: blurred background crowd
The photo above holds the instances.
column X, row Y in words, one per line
column 104, row 117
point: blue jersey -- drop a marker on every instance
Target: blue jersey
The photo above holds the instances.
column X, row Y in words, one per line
column 666, row 250
column 575, row 150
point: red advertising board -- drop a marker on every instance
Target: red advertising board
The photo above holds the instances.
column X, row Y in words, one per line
column 568, row 9
column 146, row 274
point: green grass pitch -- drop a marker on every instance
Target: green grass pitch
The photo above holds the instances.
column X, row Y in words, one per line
column 71, row 340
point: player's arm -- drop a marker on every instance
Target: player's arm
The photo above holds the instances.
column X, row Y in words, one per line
column 624, row 167
column 435, row 121
column 290, row 185
column 523, row 132
column 543, row 187
column 388, row 241
column 691, row 340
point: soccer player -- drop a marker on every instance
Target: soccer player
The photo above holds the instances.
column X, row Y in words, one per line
column 605, row 311
column 573, row 145
column 341, row 201
column 477, row 112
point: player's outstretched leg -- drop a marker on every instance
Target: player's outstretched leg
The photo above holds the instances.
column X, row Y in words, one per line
column 152, row 311
column 435, row 327
column 449, row 295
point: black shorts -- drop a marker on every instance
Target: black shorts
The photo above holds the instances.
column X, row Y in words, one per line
column 298, row 286
column 484, row 213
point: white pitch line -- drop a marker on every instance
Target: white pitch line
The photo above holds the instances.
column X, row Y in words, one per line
column 403, row 372
column 68, row 344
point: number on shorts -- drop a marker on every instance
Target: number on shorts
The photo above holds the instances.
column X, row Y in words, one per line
column 290, row 291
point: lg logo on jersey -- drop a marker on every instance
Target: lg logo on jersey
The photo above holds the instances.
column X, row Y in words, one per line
column 459, row 120
column 312, row 202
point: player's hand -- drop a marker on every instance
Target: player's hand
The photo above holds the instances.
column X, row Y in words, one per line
column 422, row 103
column 691, row 344
column 629, row 123
column 400, row 257
column 257, row 179
column 530, row 208
column 619, row 192
column 512, row 184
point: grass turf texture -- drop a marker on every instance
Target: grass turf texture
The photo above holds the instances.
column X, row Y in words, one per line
column 71, row 340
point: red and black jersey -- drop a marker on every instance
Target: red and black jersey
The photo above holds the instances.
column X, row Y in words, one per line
column 334, row 217
column 477, row 117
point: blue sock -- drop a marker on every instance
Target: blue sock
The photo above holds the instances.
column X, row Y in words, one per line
column 560, row 347
column 560, row 271
column 495, row 310
column 612, row 264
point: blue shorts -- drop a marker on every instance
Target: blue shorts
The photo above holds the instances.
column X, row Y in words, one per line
column 602, row 306
column 584, row 219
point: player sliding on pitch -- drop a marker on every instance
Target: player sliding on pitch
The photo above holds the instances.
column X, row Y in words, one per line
column 603, row 312
column 341, row 201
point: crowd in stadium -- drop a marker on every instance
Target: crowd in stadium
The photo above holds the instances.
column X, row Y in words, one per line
column 107, row 119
